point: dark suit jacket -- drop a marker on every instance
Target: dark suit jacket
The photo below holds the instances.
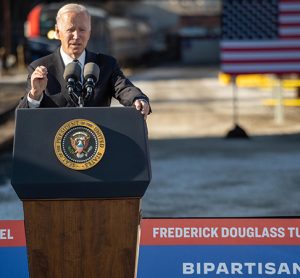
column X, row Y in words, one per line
column 111, row 83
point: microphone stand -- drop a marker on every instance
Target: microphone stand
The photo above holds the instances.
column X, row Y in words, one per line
column 89, row 86
column 75, row 92
column 80, row 101
column 79, row 96
column 70, row 88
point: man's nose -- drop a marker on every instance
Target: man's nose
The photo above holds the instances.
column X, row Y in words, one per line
column 75, row 34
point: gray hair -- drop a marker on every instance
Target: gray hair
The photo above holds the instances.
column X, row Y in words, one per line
column 72, row 7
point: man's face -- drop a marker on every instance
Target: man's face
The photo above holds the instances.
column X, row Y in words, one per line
column 73, row 30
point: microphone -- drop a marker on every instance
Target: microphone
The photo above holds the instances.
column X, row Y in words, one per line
column 91, row 73
column 72, row 75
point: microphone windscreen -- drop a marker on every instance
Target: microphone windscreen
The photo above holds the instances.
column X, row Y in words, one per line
column 72, row 70
column 91, row 70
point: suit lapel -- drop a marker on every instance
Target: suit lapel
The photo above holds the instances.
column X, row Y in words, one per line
column 59, row 69
column 59, row 72
column 90, row 57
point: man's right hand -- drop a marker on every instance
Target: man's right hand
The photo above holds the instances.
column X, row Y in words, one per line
column 39, row 82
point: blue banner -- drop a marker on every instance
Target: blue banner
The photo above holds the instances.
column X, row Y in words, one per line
column 218, row 261
column 13, row 262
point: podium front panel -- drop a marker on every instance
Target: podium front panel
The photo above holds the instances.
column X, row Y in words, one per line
column 123, row 171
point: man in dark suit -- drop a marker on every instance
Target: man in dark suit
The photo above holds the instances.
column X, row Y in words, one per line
column 46, row 86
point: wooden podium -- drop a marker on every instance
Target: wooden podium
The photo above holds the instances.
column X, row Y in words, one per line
column 81, row 222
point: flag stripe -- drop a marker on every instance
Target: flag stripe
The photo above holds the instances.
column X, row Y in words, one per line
column 292, row 24
column 260, row 55
column 237, row 50
column 271, row 61
column 287, row 7
column 290, row 19
column 266, row 44
column 261, row 68
column 289, row 31
column 291, row 37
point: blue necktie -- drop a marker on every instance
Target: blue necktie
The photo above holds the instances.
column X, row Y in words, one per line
column 81, row 76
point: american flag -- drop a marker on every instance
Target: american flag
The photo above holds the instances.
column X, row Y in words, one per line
column 260, row 36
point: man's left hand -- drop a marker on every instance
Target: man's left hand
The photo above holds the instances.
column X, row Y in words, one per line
column 142, row 106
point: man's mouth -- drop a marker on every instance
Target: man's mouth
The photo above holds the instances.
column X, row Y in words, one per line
column 75, row 44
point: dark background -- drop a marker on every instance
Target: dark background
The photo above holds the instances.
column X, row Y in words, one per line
column 13, row 14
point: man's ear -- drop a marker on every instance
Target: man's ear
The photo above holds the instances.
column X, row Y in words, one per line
column 57, row 32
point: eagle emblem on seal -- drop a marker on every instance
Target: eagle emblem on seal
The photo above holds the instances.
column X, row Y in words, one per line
column 80, row 144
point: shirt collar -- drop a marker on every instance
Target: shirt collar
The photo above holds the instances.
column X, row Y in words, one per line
column 67, row 59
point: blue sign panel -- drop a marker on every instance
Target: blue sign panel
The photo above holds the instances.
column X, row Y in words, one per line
column 13, row 262
column 218, row 261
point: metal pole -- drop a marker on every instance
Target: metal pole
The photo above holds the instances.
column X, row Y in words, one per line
column 279, row 109
column 235, row 103
column 237, row 131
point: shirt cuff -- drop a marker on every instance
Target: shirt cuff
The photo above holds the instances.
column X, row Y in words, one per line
column 141, row 99
column 33, row 103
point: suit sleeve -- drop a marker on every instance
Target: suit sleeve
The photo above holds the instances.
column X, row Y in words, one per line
column 24, row 102
column 46, row 101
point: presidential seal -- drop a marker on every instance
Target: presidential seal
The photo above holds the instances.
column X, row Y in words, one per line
column 79, row 144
